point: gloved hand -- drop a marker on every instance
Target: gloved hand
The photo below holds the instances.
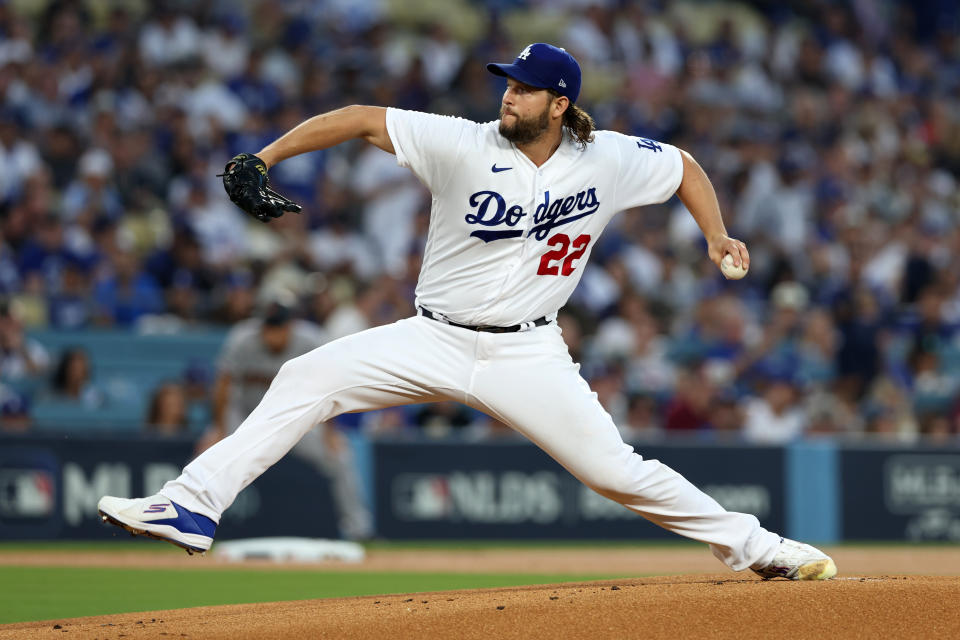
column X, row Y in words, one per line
column 246, row 182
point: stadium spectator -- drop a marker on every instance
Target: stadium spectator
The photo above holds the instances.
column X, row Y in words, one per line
column 687, row 411
column 17, row 153
column 124, row 292
column 776, row 415
column 21, row 357
column 92, row 195
column 72, row 380
column 14, row 410
column 167, row 413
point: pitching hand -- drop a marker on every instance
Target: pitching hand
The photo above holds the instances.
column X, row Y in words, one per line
column 722, row 245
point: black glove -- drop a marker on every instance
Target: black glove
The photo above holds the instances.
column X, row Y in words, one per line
column 245, row 180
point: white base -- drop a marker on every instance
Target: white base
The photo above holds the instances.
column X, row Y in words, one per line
column 289, row 550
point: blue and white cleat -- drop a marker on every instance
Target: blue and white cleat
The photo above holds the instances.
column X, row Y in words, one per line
column 798, row 561
column 161, row 518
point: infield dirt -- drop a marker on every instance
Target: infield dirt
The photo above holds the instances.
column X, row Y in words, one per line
column 867, row 600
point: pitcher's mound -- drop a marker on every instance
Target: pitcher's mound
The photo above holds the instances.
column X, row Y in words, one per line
column 671, row 607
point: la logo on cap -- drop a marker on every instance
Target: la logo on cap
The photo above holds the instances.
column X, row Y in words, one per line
column 543, row 66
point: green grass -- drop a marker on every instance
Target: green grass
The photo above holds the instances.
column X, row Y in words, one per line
column 146, row 546
column 140, row 545
column 48, row 593
column 472, row 545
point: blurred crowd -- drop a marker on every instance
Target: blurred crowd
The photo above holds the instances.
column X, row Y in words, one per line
column 831, row 132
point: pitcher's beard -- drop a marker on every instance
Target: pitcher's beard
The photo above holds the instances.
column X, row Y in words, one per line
column 524, row 131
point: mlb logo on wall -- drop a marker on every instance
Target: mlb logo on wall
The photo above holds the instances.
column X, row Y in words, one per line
column 26, row 493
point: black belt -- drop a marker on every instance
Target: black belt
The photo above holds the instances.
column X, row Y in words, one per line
column 539, row 322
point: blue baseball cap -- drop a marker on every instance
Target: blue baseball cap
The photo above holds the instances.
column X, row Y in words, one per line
column 543, row 66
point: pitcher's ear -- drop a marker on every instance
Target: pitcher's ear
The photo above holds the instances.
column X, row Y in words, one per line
column 561, row 104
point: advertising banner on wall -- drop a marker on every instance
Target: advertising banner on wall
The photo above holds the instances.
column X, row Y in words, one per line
column 900, row 494
column 49, row 488
column 514, row 490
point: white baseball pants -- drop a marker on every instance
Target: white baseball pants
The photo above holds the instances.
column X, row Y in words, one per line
column 525, row 379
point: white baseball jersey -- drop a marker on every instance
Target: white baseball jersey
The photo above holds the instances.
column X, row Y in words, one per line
column 508, row 240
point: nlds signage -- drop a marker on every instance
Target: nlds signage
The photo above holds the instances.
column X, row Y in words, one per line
column 478, row 497
column 517, row 497
column 511, row 490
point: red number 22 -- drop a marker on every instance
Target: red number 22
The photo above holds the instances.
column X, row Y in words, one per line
column 561, row 243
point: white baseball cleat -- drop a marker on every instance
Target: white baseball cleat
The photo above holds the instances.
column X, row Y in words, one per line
column 161, row 518
column 798, row 561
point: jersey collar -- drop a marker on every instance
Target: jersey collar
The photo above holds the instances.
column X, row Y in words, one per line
column 566, row 144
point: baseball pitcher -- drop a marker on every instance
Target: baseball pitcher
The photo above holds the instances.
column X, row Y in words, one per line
column 518, row 205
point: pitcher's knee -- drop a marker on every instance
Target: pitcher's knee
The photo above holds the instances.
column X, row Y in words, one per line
column 315, row 367
column 624, row 480
column 293, row 368
column 615, row 484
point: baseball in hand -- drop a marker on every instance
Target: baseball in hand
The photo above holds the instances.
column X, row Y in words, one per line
column 729, row 270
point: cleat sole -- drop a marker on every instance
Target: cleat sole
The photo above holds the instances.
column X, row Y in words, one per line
column 146, row 534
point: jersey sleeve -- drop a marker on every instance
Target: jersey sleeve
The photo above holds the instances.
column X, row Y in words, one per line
column 650, row 171
column 428, row 144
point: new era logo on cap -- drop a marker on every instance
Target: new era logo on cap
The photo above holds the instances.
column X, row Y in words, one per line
column 544, row 66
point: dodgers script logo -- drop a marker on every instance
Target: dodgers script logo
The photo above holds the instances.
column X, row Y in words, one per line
column 490, row 210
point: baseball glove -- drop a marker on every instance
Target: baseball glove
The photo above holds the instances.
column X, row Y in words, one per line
column 246, row 182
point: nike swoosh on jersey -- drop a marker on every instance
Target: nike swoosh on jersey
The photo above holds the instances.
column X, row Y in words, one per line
column 497, row 169
column 490, row 236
